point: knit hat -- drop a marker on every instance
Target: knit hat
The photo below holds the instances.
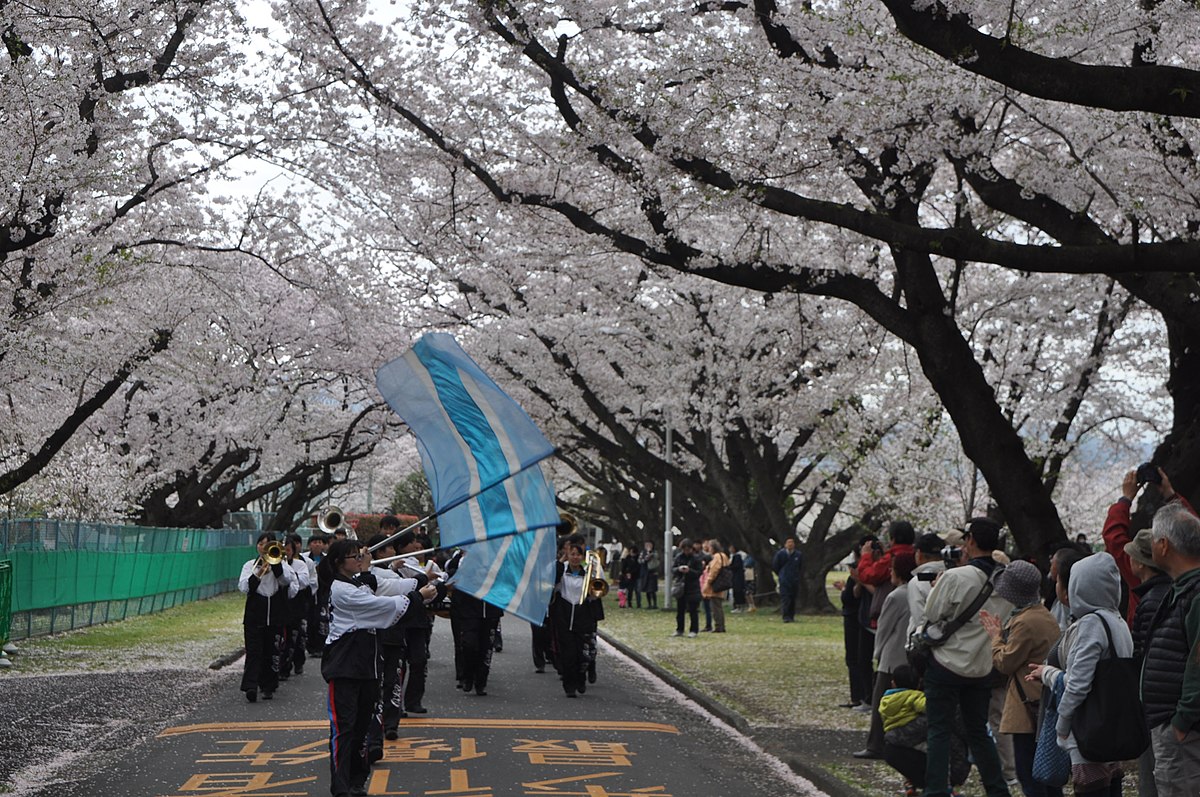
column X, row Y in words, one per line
column 1020, row 584
column 1138, row 549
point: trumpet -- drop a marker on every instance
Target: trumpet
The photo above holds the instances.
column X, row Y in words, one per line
column 593, row 576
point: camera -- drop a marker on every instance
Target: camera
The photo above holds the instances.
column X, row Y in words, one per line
column 877, row 546
column 1147, row 473
column 951, row 554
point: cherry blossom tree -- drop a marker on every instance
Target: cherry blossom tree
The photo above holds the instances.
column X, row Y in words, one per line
column 776, row 148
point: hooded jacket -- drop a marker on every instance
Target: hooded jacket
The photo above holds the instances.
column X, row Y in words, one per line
column 1095, row 597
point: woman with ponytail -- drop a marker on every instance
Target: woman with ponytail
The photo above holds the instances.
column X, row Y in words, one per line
column 352, row 662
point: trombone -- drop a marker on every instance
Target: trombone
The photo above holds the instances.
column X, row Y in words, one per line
column 594, row 585
column 272, row 556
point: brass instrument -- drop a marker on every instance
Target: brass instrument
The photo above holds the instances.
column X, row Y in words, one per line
column 594, row 585
column 272, row 556
column 331, row 520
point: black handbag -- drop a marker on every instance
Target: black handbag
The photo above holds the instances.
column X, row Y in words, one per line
column 723, row 581
column 1111, row 704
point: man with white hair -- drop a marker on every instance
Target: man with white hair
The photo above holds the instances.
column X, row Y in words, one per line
column 1171, row 672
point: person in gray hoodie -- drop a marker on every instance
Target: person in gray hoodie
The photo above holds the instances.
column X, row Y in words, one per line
column 1094, row 591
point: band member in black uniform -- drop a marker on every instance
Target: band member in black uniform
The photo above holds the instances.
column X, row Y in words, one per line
column 417, row 626
column 267, row 588
column 351, row 661
column 317, row 625
column 574, row 614
column 297, row 611
column 475, row 624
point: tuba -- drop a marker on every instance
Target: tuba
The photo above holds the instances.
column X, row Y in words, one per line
column 331, row 520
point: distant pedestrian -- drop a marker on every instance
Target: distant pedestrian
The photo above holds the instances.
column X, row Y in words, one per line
column 787, row 565
column 711, row 591
column 685, row 587
column 651, row 566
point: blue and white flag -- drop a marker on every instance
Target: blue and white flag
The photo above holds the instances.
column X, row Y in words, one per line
column 514, row 573
column 478, row 447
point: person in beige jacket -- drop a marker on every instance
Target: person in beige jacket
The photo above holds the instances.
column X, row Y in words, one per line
column 958, row 680
column 716, row 598
column 1022, row 639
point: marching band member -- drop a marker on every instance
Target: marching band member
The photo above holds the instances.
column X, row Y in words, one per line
column 297, row 609
column 391, row 687
column 417, row 630
column 574, row 614
column 474, row 624
column 351, row 661
column 267, row 588
column 317, row 621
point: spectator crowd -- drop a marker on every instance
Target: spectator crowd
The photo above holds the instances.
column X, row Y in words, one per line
column 1086, row 675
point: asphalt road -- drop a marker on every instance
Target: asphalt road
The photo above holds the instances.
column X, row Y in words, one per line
column 629, row 736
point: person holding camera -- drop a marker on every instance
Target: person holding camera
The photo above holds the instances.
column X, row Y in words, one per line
column 928, row 555
column 875, row 563
column 1117, row 532
column 959, row 676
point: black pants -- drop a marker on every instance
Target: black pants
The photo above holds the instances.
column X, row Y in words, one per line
column 908, row 761
column 859, row 691
column 691, row 605
column 416, row 663
column 294, row 646
column 477, row 652
column 541, row 644
column 264, row 648
column 883, row 681
column 318, row 625
column 351, row 707
column 787, row 600
column 866, row 663
column 391, row 695
column 573, row 659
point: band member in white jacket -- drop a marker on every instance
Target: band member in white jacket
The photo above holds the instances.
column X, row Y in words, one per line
column 267, row 589
column 352, row 660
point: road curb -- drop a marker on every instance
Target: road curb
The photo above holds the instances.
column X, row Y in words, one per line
column 820, row 778
column 227, row 659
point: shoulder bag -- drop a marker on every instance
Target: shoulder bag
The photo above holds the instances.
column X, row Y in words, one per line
column 1112, row 702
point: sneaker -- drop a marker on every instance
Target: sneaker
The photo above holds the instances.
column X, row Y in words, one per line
column 862, row 708
column 299, row 671
column 391, row 734
column 373, row 754
column 268, row 695
column 417, row 710
column 251, row 695
column 677, row 633
column 539, row 669
column 692, row 635
column 868, row 753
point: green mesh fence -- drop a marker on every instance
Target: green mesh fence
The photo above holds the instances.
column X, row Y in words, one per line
column 70, row 575
column 5, row 599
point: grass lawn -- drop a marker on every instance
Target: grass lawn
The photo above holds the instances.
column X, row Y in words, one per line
column 188, row 636
column 776, row 674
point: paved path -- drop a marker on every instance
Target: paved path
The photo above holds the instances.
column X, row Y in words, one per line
column 629, row 736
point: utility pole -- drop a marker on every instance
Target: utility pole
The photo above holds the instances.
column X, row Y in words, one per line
column 668, row 547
